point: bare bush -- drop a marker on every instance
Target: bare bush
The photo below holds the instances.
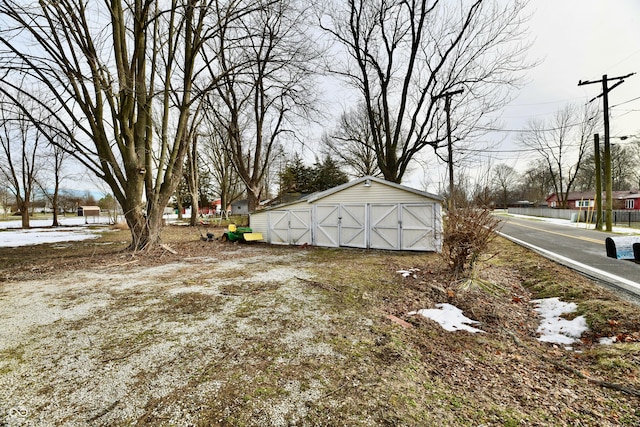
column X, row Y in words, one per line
column 467, row 234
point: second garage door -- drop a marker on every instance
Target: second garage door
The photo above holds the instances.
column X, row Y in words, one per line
column 391, row 226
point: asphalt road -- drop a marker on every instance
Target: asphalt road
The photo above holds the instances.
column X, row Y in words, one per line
column 576, row 247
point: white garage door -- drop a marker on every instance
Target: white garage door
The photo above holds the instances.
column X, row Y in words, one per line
column 418, row 232
column 328, row 228
column 352, row 225
column 384, row 231
column 290, row 227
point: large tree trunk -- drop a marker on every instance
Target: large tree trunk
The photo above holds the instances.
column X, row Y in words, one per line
column 193, row 181
column 23, row 205
column 253, row 197
column 145, row 228
column 195, row 208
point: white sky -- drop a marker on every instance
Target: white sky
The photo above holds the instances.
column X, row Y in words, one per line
column 582, row 40
column 574, row 40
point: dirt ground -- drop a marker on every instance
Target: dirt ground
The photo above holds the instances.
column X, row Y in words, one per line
column 256, row 335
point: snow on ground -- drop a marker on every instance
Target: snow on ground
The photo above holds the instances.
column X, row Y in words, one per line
column 555, row 329
column 71, row 229
column 410, row 272
column 449, row 317
column 15, row 238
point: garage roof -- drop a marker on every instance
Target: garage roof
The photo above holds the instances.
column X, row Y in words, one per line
column 313, row 197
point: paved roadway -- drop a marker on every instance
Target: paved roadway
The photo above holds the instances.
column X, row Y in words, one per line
column 576, row 247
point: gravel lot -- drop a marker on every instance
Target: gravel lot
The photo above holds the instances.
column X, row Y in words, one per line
column 98, row 345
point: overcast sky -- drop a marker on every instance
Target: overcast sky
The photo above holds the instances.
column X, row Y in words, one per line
column 580, row 40
column 573, row 40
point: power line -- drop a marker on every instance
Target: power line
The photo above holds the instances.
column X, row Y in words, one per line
column 545, row 103
column 531, row 130
column 625, row 102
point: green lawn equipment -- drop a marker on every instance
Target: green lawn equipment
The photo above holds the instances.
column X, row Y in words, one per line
column 240, row 234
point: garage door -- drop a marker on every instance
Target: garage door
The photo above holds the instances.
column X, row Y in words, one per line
column 290, row 227
column 408, row 227
column 352, row 225
column 384, row 231
column 417, row 232
column 328, row 229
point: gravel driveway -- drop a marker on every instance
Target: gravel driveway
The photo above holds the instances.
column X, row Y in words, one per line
column 112, row 345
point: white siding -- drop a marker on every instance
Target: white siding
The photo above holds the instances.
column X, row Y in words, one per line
column 376, row 193
column 258, row 223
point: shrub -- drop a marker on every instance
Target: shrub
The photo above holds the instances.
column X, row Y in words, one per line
column 467, row 234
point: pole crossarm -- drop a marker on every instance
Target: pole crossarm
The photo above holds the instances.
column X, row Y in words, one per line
column 588, row 82
column 447, row 94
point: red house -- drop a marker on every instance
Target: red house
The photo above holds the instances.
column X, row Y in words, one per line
column 632, row 201
column 622, row 200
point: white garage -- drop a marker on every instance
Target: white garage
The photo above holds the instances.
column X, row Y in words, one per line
column 366, row 213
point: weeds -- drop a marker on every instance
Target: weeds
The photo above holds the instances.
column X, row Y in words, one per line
column 467, row 234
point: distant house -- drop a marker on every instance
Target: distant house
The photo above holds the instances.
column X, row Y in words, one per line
column 622, row 200
column 240, row 207
column 632, row 201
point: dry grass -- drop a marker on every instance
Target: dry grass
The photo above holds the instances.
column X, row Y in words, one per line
column 254, row 335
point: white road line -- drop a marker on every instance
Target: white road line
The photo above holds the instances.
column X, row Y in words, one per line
column 620, row 281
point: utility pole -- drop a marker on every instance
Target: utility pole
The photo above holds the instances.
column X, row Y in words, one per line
column 607, row 148
column 596, row 153
column 447, row 108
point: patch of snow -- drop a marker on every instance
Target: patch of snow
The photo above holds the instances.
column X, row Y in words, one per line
column 449, row 317
column 14, row 238
column 607, row 340
column 555, row 329
column 71, row 229
column 409, row 272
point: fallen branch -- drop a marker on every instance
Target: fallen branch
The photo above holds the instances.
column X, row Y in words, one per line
column 121, row 264
column 103, row 412
column 315, row 284
column 168, row 249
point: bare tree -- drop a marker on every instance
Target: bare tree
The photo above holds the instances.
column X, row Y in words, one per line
column 537, row 183
column 55, row 159
column 405, row 56
column 122, row 73
column 624, row 167
column 19, row 159
column 219, row 163
column 5, row 196
column 505, row 181
column 634, row 150
column 482, row 194
column 351, row 142
column 562, row 144
column 266, row 66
